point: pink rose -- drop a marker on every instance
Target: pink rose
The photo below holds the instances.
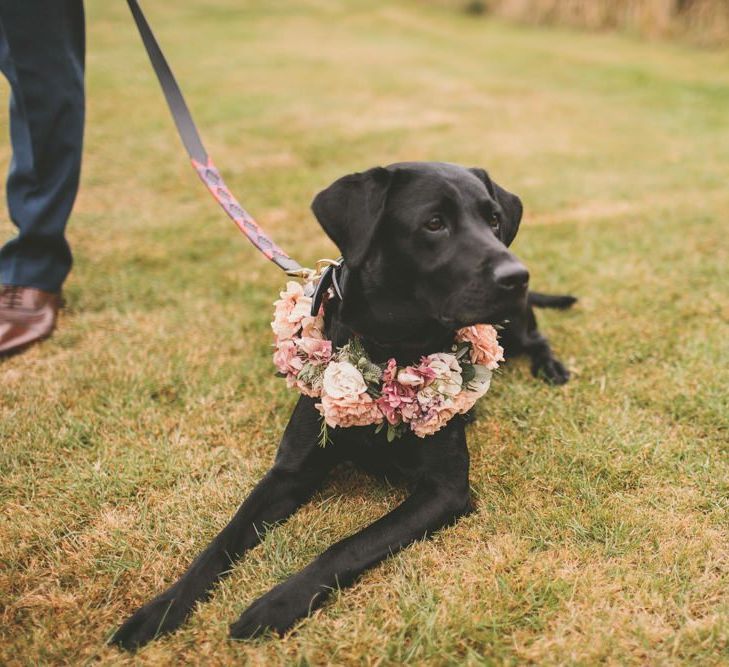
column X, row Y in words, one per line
column 485, row 348
column 416, row 376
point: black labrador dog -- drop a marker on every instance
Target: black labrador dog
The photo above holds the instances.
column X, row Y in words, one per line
column 425, row 253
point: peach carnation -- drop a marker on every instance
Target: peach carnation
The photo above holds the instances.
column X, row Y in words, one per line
column 485, row 348
column 344, row 398
column 286, row 359
column 293, row 307
column 313, row 391
column 440, row 414
column 345, row 412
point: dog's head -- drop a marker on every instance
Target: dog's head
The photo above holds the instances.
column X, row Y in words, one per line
column 429, row 234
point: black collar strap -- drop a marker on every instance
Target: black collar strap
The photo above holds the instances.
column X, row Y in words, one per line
column 333, row 277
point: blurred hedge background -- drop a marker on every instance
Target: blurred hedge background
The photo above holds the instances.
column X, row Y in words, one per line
column 704, row 22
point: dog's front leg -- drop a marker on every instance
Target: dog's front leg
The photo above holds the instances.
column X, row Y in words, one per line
column 299, row 468
column 440, row 495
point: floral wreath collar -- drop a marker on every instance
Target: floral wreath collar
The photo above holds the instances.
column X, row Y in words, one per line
column 354, row 391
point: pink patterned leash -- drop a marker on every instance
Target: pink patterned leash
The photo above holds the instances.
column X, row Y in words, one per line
column 245, row 222
column 202, row 163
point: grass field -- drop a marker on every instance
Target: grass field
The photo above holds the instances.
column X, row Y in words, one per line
column 601, row 531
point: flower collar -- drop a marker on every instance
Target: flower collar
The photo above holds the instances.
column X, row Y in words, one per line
column 354, row 391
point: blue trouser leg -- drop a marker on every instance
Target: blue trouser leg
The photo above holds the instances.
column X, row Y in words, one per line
column 42, row 46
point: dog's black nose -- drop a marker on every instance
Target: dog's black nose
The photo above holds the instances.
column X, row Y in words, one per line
column 511, row 275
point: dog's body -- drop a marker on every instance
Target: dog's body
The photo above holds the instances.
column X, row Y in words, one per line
column 425, row 252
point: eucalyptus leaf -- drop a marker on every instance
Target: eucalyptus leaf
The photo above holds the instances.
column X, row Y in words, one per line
column 481, row 379
column 468, row 373
column 462, row 349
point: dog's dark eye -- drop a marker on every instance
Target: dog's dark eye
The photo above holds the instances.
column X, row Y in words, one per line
column 435, row 224
column 494, row 221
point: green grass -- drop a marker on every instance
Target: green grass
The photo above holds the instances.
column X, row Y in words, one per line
column 129, row 438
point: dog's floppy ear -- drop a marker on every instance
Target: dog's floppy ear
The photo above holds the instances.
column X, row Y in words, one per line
column 510, row 205
column 350, row 211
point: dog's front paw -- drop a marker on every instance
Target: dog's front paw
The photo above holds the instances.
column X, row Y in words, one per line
column 276, row 611
column 158, row 617
column 551, row 370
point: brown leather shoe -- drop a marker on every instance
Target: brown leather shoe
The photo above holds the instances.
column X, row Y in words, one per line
column 27, row 315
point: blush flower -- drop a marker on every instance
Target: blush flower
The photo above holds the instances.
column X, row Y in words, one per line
column 440, row 412
column 485, row 348
column 290, row 310
column 312, row 327
column 416, row 376
column 390, row 372
column 316, row 350
column 432, row 422
column 343, row 412
column 398, row 401
column 286, row 359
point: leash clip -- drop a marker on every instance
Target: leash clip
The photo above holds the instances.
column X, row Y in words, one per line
column 302, row 272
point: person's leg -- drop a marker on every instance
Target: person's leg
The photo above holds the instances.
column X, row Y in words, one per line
column 42, row 45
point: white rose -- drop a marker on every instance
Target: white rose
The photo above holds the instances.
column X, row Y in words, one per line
column 343, row 380
column 448, row 379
